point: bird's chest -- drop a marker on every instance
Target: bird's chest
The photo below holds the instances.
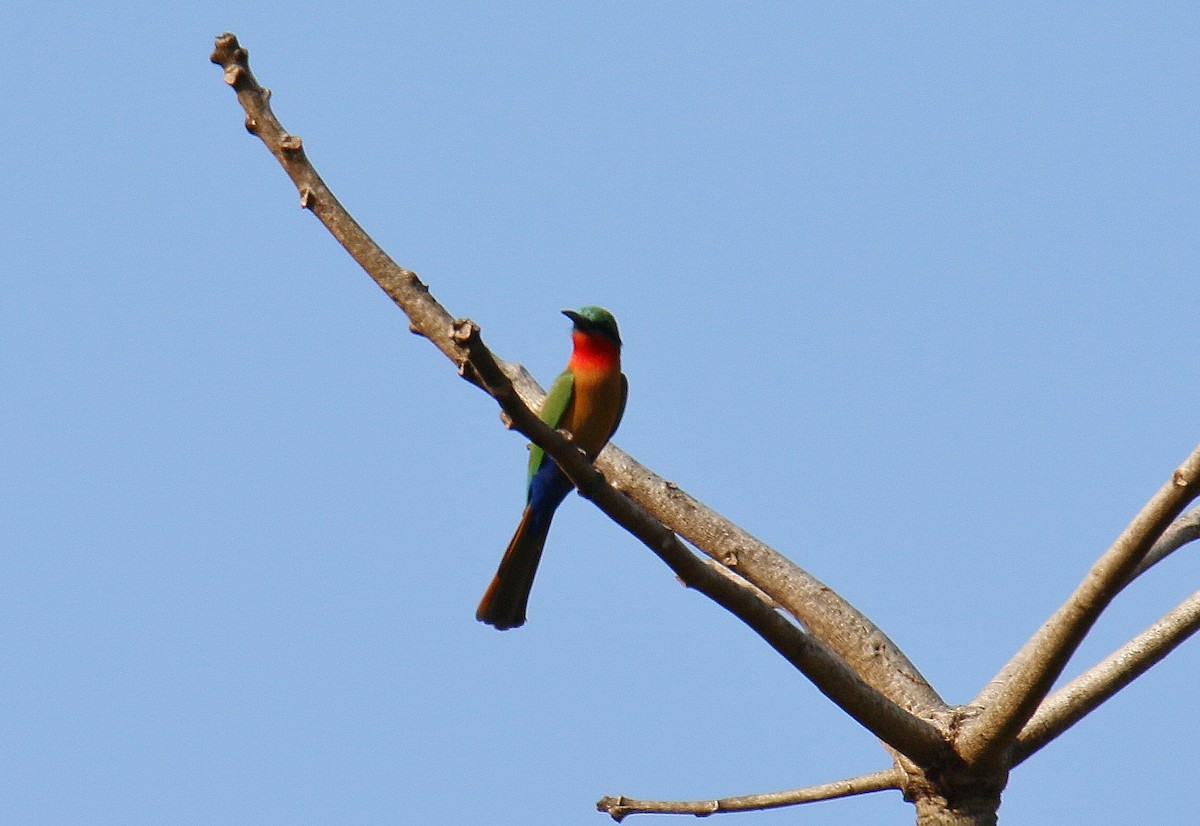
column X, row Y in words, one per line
column 592, row 415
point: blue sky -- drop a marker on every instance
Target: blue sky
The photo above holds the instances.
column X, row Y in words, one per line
column 906, row 291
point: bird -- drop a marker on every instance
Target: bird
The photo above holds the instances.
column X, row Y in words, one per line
column 587, row 400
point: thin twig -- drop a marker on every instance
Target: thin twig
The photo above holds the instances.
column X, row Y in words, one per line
column 1078, row 698
column 621, row 807
column 1006, row 705
column 1183, row 530
column 426, row 315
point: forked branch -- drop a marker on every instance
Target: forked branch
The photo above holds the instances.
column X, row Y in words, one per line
column 1080, row 697
column 1011, row 699
column 1183, row 530
column 844, row 654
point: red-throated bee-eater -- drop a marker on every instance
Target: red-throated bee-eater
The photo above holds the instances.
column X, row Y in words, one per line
column 587, row 401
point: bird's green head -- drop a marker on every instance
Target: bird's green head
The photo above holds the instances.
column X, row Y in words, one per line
column 597, row 320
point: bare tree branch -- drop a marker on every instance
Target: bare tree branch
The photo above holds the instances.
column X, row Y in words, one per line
column 841, row 626
column 906, row 732
column 1078, row 698
column 1006, row 705
column 620, row 807
column 1183, row 530
column 841, row 651
column 460, row 341
column 821, row 610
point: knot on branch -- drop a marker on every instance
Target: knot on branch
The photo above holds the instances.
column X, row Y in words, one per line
column 233, row 74
column 465, row 332
column 229, row 54
column 613, row 807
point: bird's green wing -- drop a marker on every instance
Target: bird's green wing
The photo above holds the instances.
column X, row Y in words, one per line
column 552, row 412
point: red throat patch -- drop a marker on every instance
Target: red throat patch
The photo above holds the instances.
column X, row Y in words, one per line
column 594, row 352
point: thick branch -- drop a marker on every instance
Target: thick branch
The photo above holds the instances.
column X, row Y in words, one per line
column 909, row 734
column 1007, row 705
column 620, row 807
column 841, row 626
column 1078, row 698
column 460, row 342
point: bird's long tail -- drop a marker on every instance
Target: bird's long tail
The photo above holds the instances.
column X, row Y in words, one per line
column 504, row 601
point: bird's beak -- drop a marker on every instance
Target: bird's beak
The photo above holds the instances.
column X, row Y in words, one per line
column 574, row 316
